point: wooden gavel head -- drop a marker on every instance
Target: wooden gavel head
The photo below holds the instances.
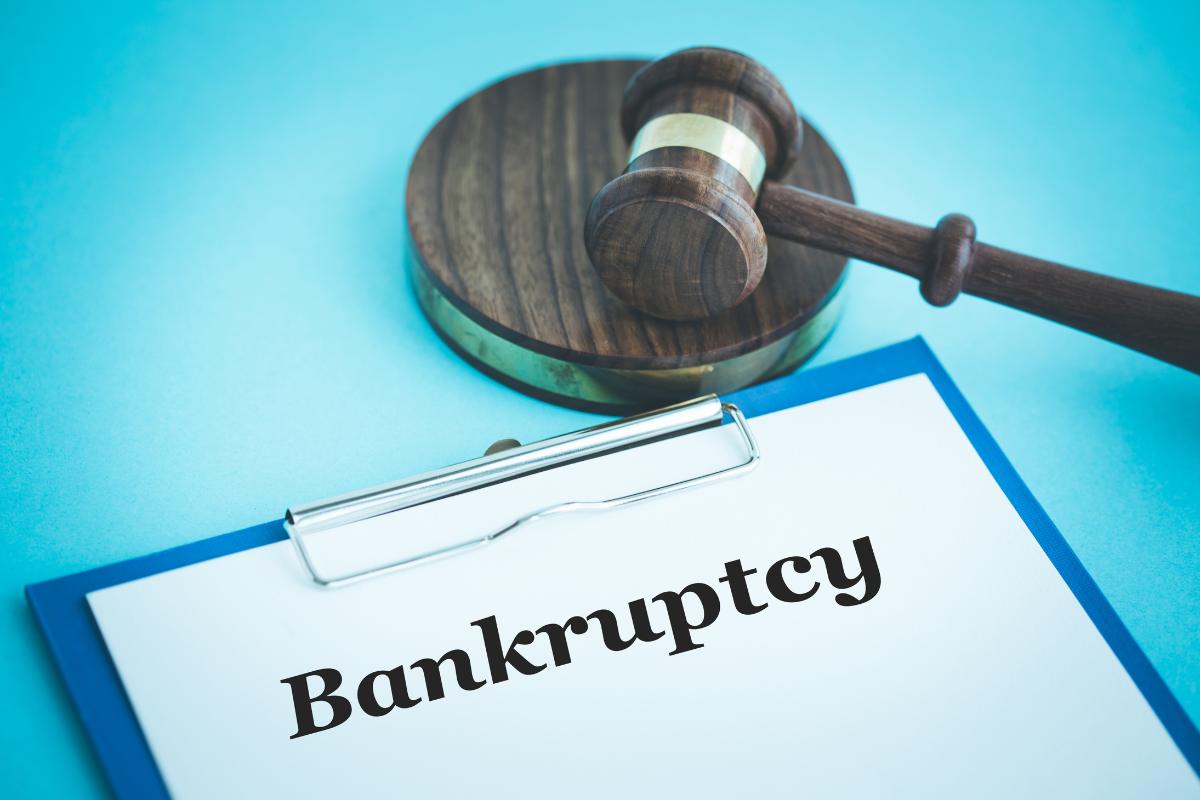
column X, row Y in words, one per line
column 676, row 235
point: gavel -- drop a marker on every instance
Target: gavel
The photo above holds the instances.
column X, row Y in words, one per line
column 682, row 233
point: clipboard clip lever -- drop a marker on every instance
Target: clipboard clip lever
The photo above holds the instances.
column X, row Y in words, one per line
column 692, row 415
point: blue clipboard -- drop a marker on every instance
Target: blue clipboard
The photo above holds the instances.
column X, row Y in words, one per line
column 78, row 649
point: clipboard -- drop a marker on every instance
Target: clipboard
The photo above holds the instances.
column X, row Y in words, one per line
column 88, row 671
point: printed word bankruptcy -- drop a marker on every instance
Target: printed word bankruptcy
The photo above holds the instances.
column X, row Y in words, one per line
column 500, row 658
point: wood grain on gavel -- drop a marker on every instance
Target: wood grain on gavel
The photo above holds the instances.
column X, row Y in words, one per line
column 677, row 235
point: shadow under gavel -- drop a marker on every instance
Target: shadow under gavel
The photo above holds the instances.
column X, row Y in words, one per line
column 677, row 236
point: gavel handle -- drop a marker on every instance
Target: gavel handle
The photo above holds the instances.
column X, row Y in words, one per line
column 947, row 260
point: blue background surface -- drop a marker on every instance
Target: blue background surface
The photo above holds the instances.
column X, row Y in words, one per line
column 203, row 315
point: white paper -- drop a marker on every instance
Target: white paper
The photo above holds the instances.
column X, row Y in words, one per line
column 973, row 673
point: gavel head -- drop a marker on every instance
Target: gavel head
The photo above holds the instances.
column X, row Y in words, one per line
column 676, row 235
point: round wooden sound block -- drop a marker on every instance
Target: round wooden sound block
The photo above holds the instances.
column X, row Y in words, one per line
column 497, row 198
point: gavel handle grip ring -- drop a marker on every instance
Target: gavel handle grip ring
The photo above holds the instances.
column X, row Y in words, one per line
column 947, row 260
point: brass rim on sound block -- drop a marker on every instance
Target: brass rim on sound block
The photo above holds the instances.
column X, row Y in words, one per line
column 613, row 391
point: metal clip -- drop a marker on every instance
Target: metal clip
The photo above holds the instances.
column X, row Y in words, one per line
column 513, row 463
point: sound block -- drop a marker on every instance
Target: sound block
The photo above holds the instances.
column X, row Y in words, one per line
column 496, row 202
